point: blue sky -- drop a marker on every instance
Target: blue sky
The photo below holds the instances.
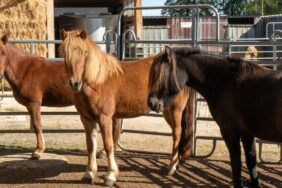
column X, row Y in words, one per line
column 152, row 3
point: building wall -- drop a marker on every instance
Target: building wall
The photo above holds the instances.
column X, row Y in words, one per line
column 25, row 19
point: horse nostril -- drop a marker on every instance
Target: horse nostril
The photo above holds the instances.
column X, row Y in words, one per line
column 71, row 83
column 76, row 84
column 151, row 103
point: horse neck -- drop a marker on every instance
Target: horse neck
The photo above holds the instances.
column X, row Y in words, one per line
column 205, row 74
column 17, row 63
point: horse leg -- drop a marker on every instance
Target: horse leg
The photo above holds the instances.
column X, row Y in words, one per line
column 116, row 134
column 91, row 142
column 249, row 145
column 174, row 120
column 35, row 121
column 117, row 123
column 232, row 141
column 106, row 131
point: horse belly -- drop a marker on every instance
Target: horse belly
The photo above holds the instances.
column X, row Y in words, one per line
column 130, row 109
column 132, row 93
column 60, row 99
column 265, row 121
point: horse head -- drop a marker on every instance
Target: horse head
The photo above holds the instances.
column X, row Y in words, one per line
column 85, row 61
column 3, row 55
column 165, row 80
column 75, row 52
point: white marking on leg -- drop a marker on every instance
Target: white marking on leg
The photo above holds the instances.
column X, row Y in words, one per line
column 94, row 165
column 113, row 168
column 173, row 168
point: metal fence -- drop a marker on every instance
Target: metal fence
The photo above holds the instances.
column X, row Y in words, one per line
column 123, row 42
column 196, row 41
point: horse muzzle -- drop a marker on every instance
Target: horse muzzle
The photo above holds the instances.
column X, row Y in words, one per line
column 75, row 84
column 155, row 104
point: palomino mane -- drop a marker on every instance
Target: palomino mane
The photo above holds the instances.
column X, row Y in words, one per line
column 99, row 66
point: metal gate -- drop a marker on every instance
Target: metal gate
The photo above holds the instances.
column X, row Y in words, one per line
column 272, row 41
column 121, row 41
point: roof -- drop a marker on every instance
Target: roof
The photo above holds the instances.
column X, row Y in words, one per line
column 87, row 3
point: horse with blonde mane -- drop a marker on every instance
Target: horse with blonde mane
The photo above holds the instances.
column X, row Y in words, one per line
column 107, row 88
column 35, row 82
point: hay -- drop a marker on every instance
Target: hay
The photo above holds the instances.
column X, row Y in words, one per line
column 25, row 19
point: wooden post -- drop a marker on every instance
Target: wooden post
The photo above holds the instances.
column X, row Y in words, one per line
column 138, row 20
column 50, row 28
column 138, row 25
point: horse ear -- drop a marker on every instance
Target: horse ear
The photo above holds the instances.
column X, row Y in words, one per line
column 83, row 34
column 63, row 34
column 168, row 51
column 4, row 39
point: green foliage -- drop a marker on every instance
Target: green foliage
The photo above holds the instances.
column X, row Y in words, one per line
column 187, row 12
column 234, row 7
column 264, row 7
column 228, row 7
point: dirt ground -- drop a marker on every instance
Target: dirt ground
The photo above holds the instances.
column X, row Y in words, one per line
column 137, row 169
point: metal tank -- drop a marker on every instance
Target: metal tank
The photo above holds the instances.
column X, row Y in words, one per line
column 95, row 25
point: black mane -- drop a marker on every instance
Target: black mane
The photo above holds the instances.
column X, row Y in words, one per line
column 237, row 63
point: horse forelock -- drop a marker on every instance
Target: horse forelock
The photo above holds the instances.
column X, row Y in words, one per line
column 156, row 77
column 99, row 66
column 160, row 78
column 70, row 43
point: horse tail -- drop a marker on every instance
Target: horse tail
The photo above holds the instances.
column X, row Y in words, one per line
column 185, row 148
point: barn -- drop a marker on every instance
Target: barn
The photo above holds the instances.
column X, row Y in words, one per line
column 42, row 19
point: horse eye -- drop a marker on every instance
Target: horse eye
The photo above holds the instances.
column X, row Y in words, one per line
column 86, row 52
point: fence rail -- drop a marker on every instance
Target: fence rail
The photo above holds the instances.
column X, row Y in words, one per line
column 120, row 41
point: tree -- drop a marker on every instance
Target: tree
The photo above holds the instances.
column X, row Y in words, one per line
column 234, row 7
column 264, row 7
column 188, row 12
column 228, row 7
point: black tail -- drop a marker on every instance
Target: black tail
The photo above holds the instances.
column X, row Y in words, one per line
column 186, row 142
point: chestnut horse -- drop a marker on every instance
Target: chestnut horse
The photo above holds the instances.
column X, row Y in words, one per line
column 35, row 83
column 110, row 89
column 245, row 99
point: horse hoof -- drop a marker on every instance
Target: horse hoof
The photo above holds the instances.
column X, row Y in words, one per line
column 101, row 155
column 171, row 171
column 248, row 183
column 35, row 156
column 88, row 180
column 109, row 182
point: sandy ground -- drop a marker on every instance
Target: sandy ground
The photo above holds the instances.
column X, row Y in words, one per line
column 136, row 169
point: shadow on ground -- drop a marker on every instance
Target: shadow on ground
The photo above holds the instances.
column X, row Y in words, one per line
column 136, row 170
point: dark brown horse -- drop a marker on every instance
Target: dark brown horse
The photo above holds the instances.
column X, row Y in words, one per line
column 244, row 98
column 35, row 83
column 110, row 89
